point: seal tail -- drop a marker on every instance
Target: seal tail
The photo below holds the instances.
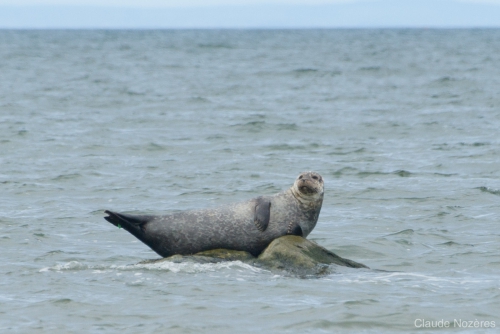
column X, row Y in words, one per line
column 136, row 225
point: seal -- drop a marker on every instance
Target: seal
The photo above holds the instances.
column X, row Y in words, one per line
column 246, row 226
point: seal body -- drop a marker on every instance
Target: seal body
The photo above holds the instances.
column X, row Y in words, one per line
column 246, row 226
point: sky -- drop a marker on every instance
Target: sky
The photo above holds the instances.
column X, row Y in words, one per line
column 198, row 14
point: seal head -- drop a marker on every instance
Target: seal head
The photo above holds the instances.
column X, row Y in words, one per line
column 308, row 188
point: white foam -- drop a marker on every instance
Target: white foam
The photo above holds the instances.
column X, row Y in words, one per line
column 189, row 267
column 183, row 267
column 71, row 265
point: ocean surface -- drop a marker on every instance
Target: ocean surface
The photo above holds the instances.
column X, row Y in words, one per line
column 404, row 126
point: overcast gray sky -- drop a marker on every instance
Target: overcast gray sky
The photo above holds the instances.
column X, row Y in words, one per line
column 196, row 3
column 248, row 13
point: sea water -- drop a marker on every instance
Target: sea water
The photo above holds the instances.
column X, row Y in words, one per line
column 404, row 126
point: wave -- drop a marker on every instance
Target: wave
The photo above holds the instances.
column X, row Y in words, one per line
column 490, row 190
column 158, row 265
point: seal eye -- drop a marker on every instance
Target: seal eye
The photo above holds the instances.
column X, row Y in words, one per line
column 300, row 177
column 315, row 177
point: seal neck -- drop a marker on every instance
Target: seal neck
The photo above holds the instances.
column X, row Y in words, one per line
column 310, row 202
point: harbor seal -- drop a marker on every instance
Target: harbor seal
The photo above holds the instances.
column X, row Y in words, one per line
column 246, row 226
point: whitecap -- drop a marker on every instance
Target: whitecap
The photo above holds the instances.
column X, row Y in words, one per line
column 71, row 265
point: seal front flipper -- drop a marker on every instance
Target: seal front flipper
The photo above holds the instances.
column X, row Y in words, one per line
column 295, row 230
column 134, row 224
column 262, row 214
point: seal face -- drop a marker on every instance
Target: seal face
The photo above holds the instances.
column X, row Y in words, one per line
column 246, row 226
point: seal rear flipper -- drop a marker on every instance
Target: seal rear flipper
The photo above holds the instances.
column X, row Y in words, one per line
column 134, row 224
column 262, row 214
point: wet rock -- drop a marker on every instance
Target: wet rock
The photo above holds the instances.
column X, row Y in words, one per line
column 300, row 256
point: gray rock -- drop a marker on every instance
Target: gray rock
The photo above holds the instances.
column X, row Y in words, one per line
column 300, row 256
column 288, row 254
